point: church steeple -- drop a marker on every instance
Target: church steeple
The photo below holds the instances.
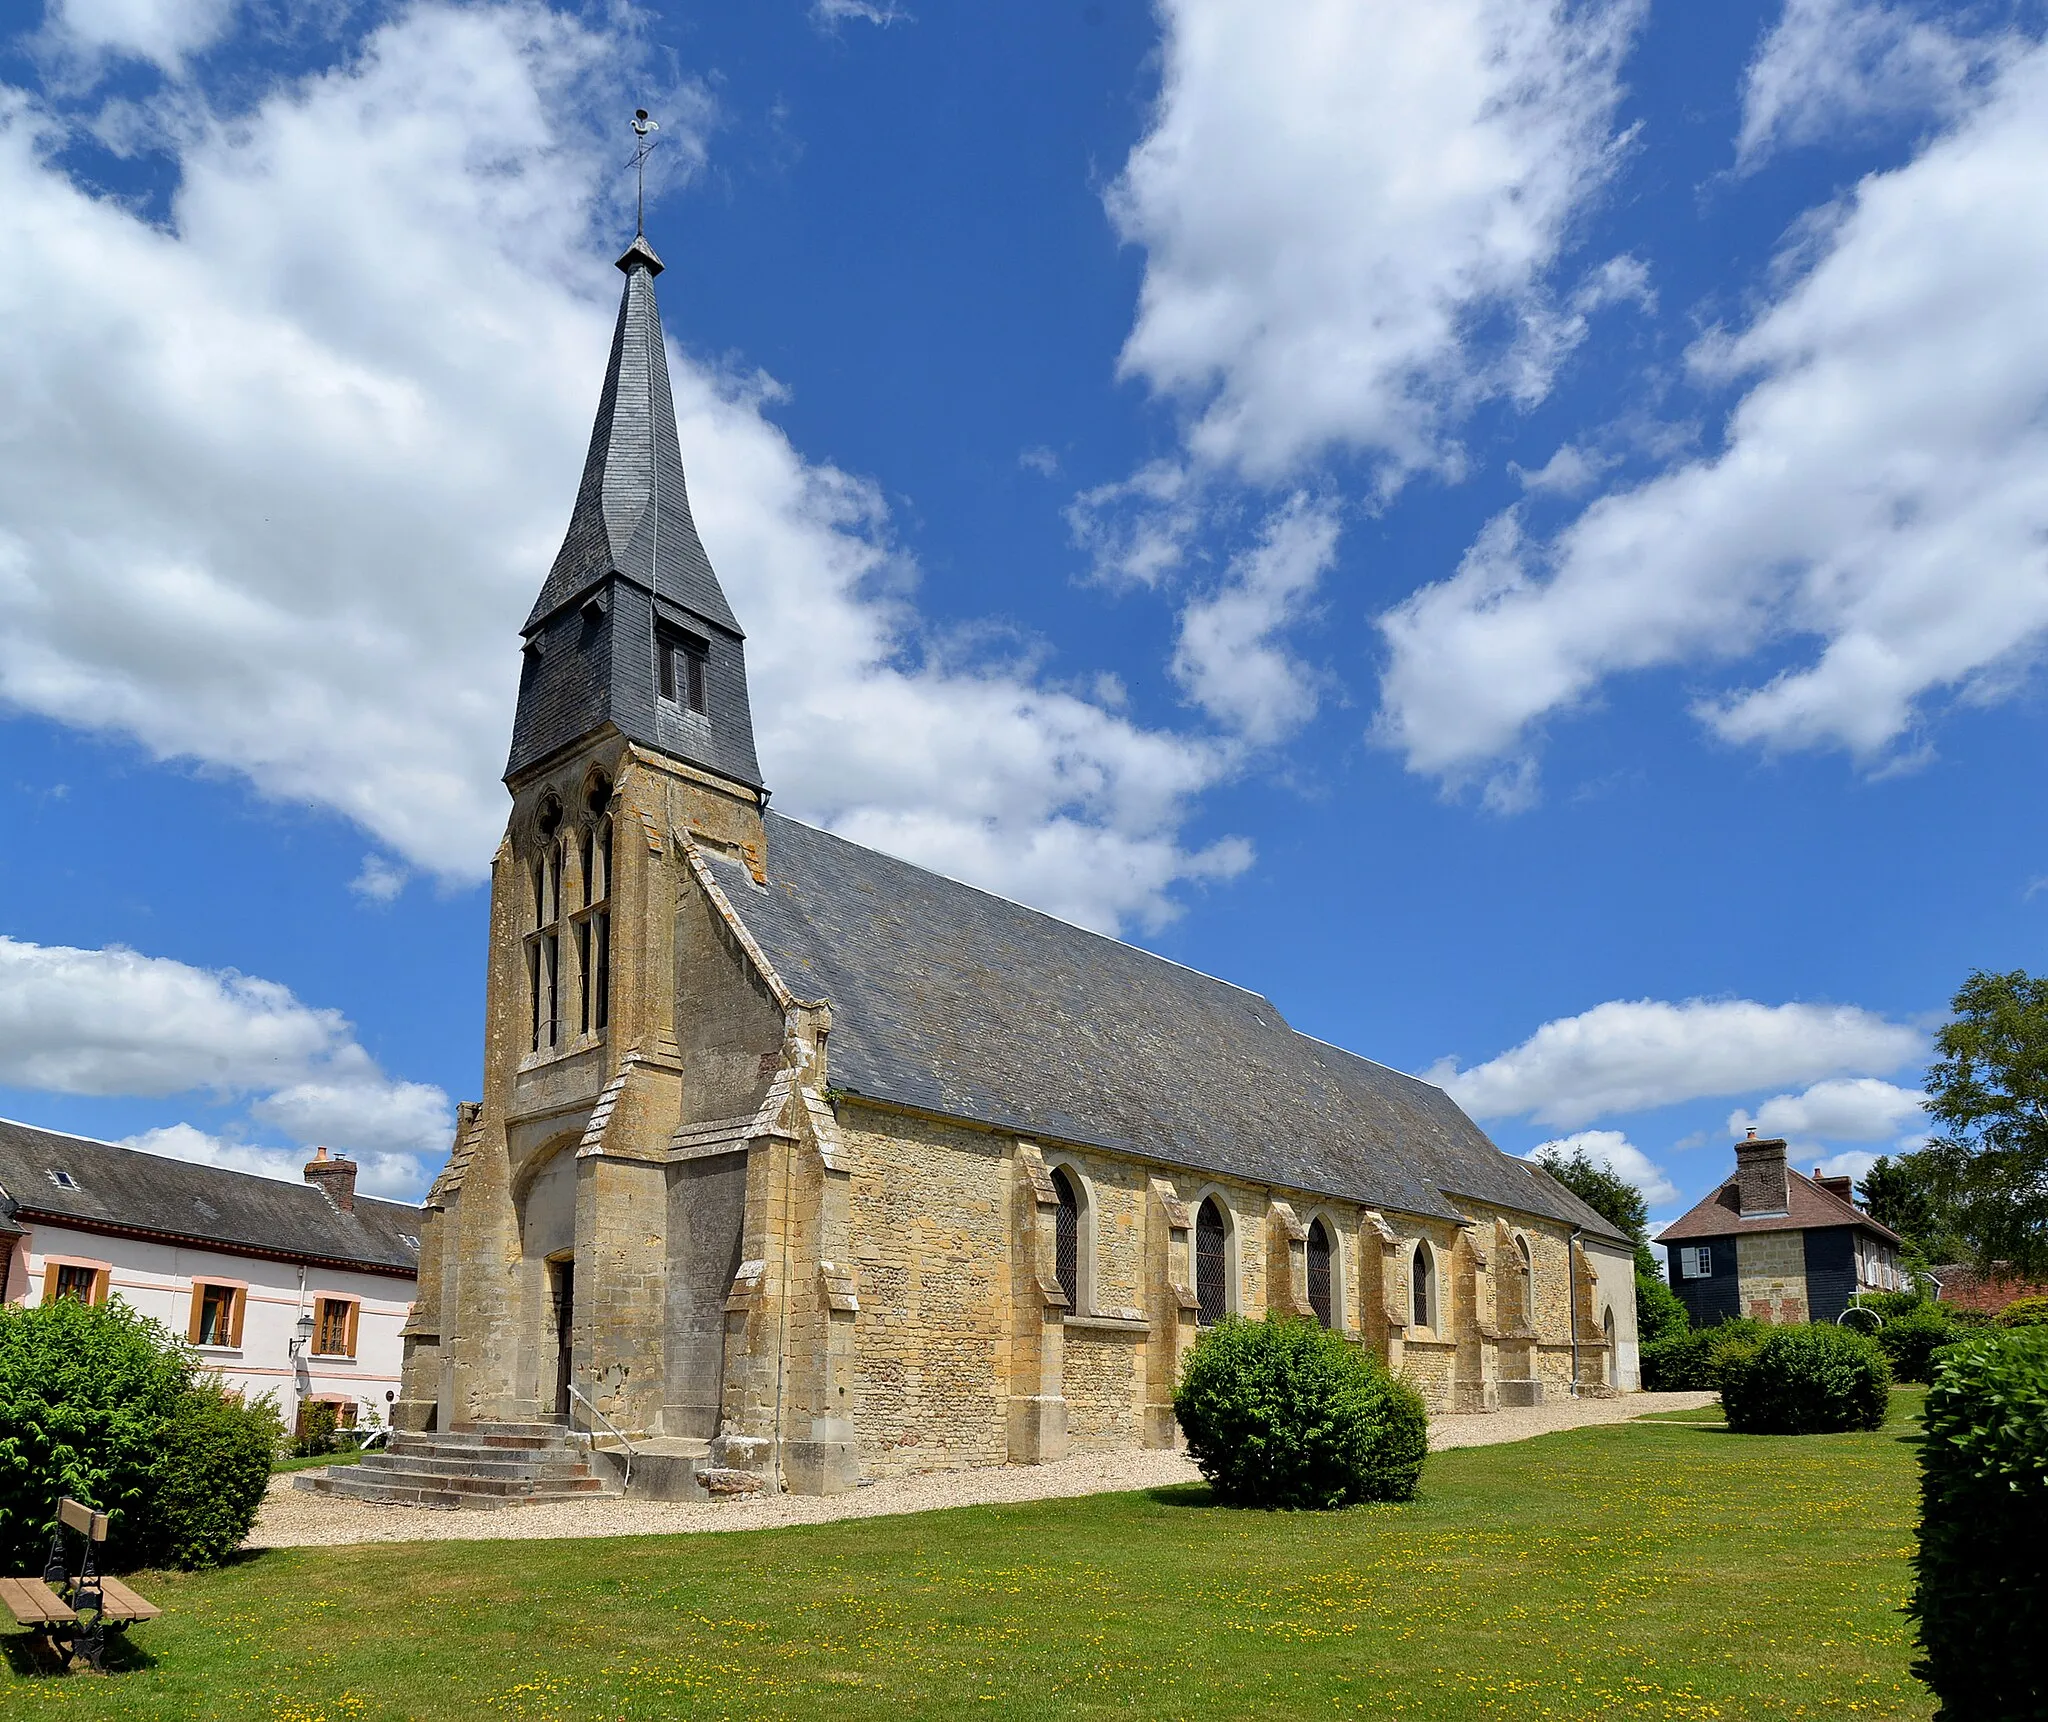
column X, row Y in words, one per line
column 632, row 629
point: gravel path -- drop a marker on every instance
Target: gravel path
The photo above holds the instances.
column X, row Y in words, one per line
column 293, row 1518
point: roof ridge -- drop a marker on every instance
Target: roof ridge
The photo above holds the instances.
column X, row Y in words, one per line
column 1047, row 915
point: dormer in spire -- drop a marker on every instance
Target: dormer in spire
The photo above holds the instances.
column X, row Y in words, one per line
column 632, row 631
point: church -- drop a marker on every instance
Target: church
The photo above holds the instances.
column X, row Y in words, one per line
column 800, row 1161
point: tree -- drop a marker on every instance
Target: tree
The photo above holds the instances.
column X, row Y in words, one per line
column 1905, row 1194
column 1988, row 1089
column 1621, row 1205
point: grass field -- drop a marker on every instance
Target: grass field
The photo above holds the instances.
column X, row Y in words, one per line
column 1653, row 1569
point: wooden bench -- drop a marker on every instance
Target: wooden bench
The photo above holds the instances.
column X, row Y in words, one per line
column 73, row 1613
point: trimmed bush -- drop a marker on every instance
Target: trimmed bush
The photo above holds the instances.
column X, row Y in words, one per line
column 1909, row 1341
column 1281, row 1413
column 84, row 1398
column 212, row 1467
column 1980, row 1587
column 2025, row 1312
column 1690, row 1362
column 1815, row 1380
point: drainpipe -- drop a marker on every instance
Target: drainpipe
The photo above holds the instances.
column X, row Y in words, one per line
column 1571, row 1256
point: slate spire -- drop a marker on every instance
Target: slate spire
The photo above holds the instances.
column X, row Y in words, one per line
column 632, row 585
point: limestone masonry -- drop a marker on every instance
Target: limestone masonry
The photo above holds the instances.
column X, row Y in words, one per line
column 799, row 1162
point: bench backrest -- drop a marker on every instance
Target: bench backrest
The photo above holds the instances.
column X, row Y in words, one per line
column 77, row 1516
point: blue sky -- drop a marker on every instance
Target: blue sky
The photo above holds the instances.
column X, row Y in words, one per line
column 1517, row 533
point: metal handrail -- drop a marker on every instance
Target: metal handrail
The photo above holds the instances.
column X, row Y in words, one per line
column 618, row 1434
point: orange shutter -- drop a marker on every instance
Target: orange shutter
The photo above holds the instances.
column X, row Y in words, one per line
column 99, row 1285
column 354, row 1310
column 235, row 1316
column 49, row 1282
column 198, row 1311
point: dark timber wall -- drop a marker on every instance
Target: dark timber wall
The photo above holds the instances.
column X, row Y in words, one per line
column 1830, row 1271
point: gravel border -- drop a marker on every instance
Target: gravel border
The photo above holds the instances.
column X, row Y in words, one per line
column 296, row 1518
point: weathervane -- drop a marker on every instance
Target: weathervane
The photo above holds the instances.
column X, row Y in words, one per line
column 642, row 125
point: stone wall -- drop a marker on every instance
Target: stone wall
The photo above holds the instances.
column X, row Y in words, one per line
column 1770, row 1271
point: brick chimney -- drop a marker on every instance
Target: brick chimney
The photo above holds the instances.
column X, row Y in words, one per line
column 1842, row 1187
column 336, row 1179
column 1760, row 1176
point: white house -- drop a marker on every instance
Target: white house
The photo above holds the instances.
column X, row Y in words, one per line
column 294, row 1289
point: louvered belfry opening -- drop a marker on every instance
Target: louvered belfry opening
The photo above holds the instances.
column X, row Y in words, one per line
column 1210, row 1268
column 1067, row 1239
column 1319, row 1272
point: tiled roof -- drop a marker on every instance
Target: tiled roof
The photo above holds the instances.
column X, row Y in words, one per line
column 104, row 1187
column 1719, row 1214
column 952, row 1001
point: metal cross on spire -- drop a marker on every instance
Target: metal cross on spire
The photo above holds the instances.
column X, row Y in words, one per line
column 642, row 126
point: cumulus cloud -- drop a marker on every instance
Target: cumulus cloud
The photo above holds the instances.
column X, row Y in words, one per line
column 280, row 476
column 1631, row 1055
column 393, row 1175
column 116, row 1022
column 379, row 879
column 1349, row 213
column 164, row 32
column 1229, row 658
column 1894, row 434
column 1843, row 1109
column 1830, row 68
column 1613, row 1150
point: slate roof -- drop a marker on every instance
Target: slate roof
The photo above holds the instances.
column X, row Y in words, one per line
column 125, row 1191
column 632, row 564
column 1719, row 1214
column 953, row 1001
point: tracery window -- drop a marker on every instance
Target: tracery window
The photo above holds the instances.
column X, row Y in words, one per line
column 1212, row 1268
column 544, row 940
column 1319, row 1253
column 593, row 919
column 1067, row 1238
column 1423, row 1274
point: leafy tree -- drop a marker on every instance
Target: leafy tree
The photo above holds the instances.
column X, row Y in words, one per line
column 1988, row 1090
column 1904, row 1193
column 1659, row 1314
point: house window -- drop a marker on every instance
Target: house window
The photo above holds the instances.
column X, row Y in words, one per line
column 75, row 1280
column 1212, row 1249
column 334, row 1327
column 216, row 1315
column 1696, row 1262
column 1067, row 1238
column 680, row 660
column 1422, row 1289
column 1319, row 1253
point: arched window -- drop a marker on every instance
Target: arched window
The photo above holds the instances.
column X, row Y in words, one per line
column 544, row 942
column 1212, row 1268
column 1319, row 1253
column 594, row 918
column 1067, row 1237
column 1528, row 1266
column 1424, row 1289
column 1607, row 1332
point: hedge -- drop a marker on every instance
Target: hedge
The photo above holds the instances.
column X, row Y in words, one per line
column 2025, row 1312
column 1909, row 1341
column 1813, row 1380
column 1981, row 1576
column 1281, row 1413
column 1690, row 1362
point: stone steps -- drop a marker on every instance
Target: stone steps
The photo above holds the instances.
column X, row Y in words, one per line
column 475, row 1466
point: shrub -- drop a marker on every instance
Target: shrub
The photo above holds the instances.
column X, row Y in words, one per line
column 1280, row 1413
column 1659, row 1313
column 1909, row 1341
column 1981, row 1575
column 84, row 1397
column 2025, row 1312
column 1891, row 1305
column 317, row 1420
column 1812, row 1380
column 213, row 1465
column 1689, row 1362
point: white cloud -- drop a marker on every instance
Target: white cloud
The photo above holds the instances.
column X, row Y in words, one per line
column 379, row 880
column 397, row 1176
column 1849, row 1163
column 1843, row 1109
column 1349, row 210
column 1883, row 489
column 1833, row 67
column 1568, row 471
column 279, row 479
column 1229, row 659
column 830, row 14
column 1613, row 1150
column 1630, row 1055
column 115, row 1022
column 165, row 32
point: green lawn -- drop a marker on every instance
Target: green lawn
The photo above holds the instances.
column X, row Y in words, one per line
column 1661, row 1569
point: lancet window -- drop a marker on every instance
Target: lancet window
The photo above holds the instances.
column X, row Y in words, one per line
column 1423, row 1276
column 1067, row 1238
column 593, row 916
column 544, row 939
column 1212, row 1264
column 1319, row 1288
column 1527, row 1263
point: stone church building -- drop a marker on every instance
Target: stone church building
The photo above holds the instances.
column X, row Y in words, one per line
column 825, row 1167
